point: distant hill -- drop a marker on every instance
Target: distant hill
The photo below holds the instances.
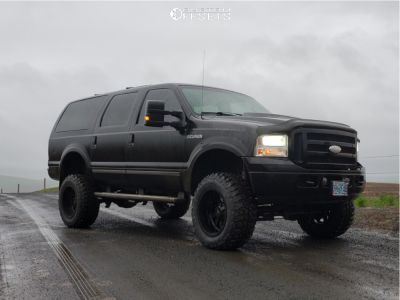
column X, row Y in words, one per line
column 9, row 184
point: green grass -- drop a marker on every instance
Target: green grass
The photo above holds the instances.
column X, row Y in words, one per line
column 378, row 202
column 49, row 190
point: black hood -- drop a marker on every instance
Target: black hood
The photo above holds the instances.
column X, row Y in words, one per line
column 279, row 122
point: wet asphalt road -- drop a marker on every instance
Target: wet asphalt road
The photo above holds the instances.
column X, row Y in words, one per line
column 132, row 254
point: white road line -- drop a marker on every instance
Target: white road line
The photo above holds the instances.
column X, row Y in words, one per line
column 122, row 215
column 85, row 287
column 127, row 217
column 135, row 219
column 4, row 285
column 380, row 264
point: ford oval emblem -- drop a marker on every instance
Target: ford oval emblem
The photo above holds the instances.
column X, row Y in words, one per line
column 335, row 149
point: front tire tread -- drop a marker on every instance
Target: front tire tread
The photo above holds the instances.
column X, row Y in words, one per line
column 244, row 212
column 87, row 207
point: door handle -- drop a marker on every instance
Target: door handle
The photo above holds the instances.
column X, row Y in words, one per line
column 94, row 144
column 132, row 140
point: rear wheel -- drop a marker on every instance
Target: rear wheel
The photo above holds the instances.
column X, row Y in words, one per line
column 329, row 224
column 171, row 211
column 78, row 207
column 224, row 213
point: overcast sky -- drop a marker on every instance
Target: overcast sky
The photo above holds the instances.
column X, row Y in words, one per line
column 320, row 60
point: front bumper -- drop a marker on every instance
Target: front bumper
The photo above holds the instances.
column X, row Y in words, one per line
column 280, row 181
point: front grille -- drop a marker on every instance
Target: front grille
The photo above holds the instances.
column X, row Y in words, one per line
column 311, row 148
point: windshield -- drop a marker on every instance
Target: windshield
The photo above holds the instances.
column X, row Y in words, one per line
column 210, row 100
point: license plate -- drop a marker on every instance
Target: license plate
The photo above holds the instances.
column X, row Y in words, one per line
column 340, row 188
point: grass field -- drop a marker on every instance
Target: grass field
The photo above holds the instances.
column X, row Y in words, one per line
column 377, row 202
column 49, row 190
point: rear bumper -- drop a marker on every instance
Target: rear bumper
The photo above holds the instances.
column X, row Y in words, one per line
column 54, row 170
column 278, row 180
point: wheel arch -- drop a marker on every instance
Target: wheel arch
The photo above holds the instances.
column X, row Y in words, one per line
column 74, row 160
column 213, row 157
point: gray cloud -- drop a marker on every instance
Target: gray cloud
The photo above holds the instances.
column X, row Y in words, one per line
column 324, row 60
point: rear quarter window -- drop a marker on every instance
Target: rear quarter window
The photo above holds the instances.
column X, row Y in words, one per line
column 119, row 110
column 80, row 115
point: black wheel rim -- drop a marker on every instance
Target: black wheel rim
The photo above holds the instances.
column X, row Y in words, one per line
column 69, row 202
column 321, row 219
column 212, row 213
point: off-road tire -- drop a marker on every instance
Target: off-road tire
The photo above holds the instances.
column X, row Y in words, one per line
column 340, row 218
column 86, row 205
column 241, row 211
column 171, row 211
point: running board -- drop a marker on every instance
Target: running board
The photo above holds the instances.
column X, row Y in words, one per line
column 138, row 197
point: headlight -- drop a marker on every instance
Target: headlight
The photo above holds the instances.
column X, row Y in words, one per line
column 272, row 145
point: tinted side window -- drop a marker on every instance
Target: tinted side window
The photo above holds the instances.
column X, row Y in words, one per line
column 119, row 110
column 80, row 115
column 171, row 103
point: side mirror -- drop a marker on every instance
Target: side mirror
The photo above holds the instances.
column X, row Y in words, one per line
column 155, row 112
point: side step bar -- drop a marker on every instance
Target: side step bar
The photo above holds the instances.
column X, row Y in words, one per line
column 164, row 199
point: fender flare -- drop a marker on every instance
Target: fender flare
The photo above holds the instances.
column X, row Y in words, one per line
column 78, row 149
column 202, row 149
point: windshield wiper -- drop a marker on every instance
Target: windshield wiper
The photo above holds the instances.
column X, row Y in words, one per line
column 219, row 113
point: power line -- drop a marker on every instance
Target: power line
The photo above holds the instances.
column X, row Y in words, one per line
column 388, row 173
column 380, row 156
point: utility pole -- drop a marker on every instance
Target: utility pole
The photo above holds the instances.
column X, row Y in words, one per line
column 44, row 183
column 1, row 192
column 18, row 189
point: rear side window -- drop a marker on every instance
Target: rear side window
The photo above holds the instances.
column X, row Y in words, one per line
column 119, row 110
column 80, row 115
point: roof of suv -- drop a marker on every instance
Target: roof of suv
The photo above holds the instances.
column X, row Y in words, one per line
column 159, row 85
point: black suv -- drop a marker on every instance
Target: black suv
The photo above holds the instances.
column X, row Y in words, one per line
column 238, row 163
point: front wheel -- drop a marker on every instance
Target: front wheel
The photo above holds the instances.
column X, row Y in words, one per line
column 224, row 212
column 330, row 223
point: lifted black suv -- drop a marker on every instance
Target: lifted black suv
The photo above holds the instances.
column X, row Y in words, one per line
column 238, row 163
